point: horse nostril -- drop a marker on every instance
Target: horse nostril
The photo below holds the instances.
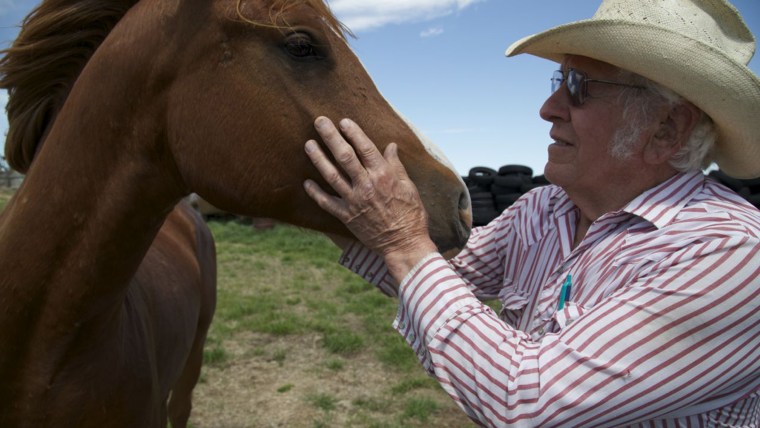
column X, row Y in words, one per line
column 465, row 217
column 464, row 200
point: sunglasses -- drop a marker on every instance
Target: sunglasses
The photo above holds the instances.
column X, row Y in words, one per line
column 577, row 84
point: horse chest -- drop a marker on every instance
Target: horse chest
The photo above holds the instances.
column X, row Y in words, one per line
column 93, row 385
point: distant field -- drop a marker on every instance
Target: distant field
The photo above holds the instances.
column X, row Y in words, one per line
column 298, row 341
column 5, row 195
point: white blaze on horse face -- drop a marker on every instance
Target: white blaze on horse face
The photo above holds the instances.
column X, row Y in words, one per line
column 434, row 151
column 431, row 148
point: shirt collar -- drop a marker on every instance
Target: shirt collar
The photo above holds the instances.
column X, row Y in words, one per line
column 662, row 203
column 658, row 205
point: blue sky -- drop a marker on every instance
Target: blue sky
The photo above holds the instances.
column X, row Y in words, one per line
column 442, row 64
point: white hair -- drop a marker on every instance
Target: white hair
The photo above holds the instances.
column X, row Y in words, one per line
column 695, row 155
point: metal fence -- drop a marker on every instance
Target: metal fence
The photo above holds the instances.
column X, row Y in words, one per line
column 10, row 178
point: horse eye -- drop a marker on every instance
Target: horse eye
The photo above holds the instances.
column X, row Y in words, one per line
column 299, row 45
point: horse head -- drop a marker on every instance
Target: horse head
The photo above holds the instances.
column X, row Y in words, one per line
column 225, row 92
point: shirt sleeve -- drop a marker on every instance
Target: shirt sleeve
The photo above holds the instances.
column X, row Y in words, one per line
column 480, row 264
column 370, row 266
column 681, row 338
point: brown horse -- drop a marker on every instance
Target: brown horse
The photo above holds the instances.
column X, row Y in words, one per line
column 117, row 110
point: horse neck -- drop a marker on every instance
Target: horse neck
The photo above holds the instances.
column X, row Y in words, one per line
column 77, row 229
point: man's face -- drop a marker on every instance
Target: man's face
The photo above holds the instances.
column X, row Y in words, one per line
column 580, row 158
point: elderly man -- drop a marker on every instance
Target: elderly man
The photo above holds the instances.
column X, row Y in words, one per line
column 629, row 287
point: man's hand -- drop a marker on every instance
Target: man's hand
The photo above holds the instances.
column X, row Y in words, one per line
column 376, row 199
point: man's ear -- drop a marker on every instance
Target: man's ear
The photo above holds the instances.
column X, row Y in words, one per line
column 673, row 133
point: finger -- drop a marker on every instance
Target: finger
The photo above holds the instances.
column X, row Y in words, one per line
column 365, row 149
column 391, row 156
column 332, row 204
column 329, row 172
column 341, row 150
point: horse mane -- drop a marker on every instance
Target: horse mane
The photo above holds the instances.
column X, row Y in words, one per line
column 55, row 42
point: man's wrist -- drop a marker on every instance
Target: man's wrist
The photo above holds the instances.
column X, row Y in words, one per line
column 401, row 261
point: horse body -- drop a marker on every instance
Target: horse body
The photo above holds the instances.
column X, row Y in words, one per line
column 108, row 285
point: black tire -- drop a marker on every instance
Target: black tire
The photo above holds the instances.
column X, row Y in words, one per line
column 483, row 216
column 753, row 184
column 728, row 181
column 482, row 176
column 754, row 200
column 528, row 187
column 516, row 169
column 482, row 203
column 513, row 181
column 481, row 196
column 506, row 200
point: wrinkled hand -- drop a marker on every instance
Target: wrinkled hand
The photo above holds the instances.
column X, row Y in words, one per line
column 376, row 199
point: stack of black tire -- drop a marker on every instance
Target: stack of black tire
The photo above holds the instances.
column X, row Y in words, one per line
column 747, row 189
column 493, row 191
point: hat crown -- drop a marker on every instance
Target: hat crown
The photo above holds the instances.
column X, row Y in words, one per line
column 714, row 23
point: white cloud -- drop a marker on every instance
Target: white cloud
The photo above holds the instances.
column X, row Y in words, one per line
column 362, row 15
column 432, row 32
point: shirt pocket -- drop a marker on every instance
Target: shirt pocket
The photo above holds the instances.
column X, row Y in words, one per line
column 565, row 316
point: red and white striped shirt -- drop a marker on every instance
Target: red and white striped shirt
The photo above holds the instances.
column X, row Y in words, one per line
column 662, row 326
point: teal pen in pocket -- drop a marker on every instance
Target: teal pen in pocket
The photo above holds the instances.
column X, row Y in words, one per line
column 564, row 293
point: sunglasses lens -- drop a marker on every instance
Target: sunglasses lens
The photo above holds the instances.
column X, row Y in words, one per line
column 557, row 79
column 575, row 82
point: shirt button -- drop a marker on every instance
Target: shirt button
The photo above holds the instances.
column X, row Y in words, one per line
column 411, row 337
column 402, row 325
column 541, row 331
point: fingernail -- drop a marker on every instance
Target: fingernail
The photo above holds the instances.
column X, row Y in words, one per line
column 320, row 122
column 345, row 123
column 310, row 146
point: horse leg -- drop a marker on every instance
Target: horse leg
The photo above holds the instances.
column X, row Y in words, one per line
column 180, row 400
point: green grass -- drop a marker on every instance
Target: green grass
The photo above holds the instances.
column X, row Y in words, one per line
column 289, row 268
column 325, row 402
column 5, row 196
column 286, row 282
column 421, row 408
column 285, row 388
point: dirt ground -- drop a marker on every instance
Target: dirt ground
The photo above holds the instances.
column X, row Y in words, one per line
column 255, row 390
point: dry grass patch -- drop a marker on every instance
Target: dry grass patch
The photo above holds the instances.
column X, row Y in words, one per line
column 298, row 341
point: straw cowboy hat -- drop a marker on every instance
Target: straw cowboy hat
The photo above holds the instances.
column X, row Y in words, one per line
column 698, row 48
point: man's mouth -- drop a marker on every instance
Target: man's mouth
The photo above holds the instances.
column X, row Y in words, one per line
column 562, row 143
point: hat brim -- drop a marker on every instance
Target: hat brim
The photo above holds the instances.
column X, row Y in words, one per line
column 729, row 92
